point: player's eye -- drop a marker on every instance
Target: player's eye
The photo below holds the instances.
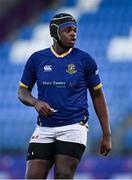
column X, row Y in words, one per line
column 68, row 30
column 75, row 30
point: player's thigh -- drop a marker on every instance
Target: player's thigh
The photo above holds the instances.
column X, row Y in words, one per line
column 40, row 158
column 37, row 169
column 65, row 167
column 67, row 158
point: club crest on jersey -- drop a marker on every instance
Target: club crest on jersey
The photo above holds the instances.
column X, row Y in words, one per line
column 71, row 69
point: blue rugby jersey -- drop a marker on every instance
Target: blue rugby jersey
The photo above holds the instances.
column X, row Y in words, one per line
column 62, row 82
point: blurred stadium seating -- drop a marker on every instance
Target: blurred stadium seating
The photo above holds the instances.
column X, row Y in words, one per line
column 101, row 24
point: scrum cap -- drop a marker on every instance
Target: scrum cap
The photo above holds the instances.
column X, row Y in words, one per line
column 59, row 21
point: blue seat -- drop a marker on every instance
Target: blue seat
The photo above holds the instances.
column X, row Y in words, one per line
column 25, row 33
column 126, row 140
column 69, row 3
column 46, row 16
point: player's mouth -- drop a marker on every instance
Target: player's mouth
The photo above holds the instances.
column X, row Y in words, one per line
column 73, row 41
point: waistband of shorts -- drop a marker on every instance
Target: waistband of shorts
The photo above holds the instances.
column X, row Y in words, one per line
column 42, row 123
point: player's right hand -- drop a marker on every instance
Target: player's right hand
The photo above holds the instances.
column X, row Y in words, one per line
column 43, row 108
column 106, row 145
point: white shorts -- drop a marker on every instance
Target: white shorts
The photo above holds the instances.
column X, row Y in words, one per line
column 71, row 133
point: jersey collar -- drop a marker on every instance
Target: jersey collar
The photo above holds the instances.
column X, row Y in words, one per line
column 61, row 55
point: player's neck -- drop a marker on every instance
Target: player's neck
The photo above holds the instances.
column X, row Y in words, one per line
column 59, row 49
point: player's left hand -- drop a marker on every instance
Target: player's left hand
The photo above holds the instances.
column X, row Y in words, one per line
column 106, row 145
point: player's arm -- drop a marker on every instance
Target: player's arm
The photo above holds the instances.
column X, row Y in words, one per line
column 27, row 83
column 25, row 96
column 101, row 110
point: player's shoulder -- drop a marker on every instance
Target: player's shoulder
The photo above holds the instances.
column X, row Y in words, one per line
column 39, row 55
column 84, row 55
column 42, row 52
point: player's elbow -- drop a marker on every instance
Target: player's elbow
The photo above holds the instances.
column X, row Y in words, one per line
column 19, row 94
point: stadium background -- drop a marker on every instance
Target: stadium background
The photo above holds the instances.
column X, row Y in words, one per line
column 104, row 31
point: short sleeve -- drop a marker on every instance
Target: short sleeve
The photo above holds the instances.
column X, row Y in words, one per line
column 92, row 74
column 29, row 74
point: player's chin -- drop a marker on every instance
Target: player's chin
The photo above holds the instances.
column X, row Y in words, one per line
column 70, row 45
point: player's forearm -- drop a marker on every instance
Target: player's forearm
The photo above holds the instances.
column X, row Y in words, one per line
column 101, row 111
column 25, row 97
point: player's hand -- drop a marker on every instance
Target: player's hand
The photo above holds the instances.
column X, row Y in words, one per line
column 106, row 145
column 43, row 108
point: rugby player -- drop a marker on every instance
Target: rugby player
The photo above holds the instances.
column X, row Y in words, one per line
column 63, row 75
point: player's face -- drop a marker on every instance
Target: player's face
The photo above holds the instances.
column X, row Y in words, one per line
column 68, row 36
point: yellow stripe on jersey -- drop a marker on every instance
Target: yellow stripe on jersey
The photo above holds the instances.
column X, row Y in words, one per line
column 23, row 85
column 61, row 55
column 98, row 86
